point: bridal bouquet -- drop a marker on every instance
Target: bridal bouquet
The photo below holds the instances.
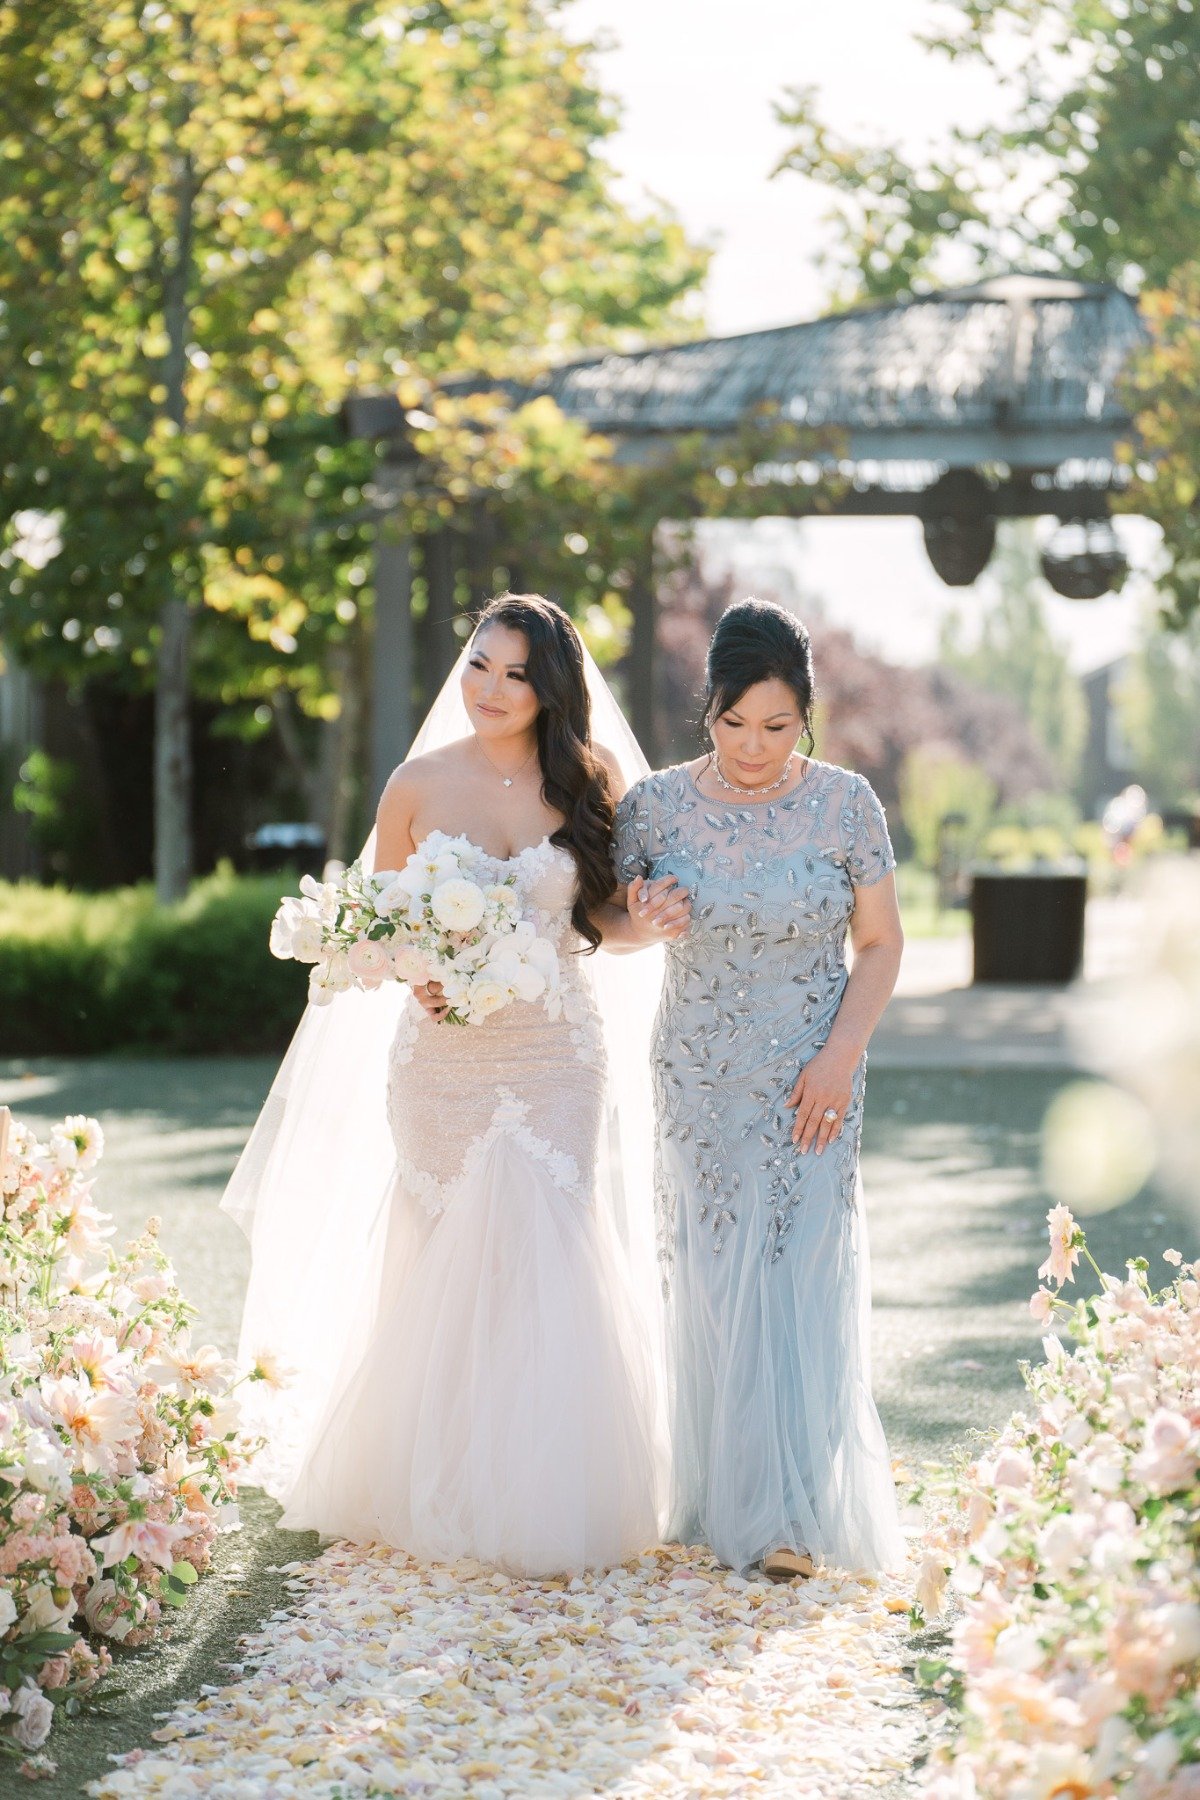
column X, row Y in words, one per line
column 439, row 918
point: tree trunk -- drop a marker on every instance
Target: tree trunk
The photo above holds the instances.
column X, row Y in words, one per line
column 173, row 844
column 172, row 755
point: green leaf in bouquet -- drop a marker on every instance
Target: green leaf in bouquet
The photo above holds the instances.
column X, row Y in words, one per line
column 43, row 1643
column 184, row 1571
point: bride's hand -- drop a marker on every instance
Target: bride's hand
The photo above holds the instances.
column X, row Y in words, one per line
column 658, row 909
column 432, row 997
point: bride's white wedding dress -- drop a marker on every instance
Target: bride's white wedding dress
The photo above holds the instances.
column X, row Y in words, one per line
column 504, row 1404
column 452, row 1249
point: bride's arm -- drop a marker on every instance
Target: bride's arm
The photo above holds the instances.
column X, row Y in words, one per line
column 644, row 912
column 393, row 821
column 394, row 845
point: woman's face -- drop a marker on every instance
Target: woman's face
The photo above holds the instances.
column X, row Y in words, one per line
column 754, row 737
column 498, row 695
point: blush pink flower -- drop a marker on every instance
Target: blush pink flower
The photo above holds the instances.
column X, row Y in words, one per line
column 150, row 1540
column 1064, row 1246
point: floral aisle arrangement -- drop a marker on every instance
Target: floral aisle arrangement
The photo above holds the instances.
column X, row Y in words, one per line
column 440, row 918
column 120, row 1445
column 1072, row 1547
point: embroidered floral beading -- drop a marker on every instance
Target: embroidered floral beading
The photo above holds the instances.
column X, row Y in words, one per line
column 752, row 991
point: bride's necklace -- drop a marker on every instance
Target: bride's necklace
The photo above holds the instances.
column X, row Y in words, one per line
column 506, row 779
column 731, row 787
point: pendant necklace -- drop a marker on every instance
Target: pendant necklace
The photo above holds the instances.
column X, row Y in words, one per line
column 506, row 779
column 731, row 787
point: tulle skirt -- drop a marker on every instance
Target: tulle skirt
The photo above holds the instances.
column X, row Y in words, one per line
column 776, row 1440
column 504, row 1407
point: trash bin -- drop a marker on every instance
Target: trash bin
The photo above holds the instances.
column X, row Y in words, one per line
column 1028, row 925
column 287, row 846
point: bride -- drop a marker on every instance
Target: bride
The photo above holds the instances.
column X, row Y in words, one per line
column 471, row 1309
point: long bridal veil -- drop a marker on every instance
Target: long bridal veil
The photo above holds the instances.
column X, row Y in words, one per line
column 314, row 1187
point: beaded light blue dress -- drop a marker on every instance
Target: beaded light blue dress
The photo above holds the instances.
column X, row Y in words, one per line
column 776, row 1440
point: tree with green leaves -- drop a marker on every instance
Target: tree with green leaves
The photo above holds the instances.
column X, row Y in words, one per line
column 1094, row 173
column 214, row 221
column 1006, row 647
column 1159, row 706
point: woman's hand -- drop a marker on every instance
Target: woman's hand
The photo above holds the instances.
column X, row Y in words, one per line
column 658, row 909
column 431, row 996
column 826, row 1084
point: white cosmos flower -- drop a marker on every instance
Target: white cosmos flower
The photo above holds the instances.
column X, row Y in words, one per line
column 457, row 904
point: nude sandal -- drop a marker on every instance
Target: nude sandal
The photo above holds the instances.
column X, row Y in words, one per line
column 788, row 1565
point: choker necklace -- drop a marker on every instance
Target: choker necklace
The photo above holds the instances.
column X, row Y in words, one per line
column 731, row 787
column 506, row 779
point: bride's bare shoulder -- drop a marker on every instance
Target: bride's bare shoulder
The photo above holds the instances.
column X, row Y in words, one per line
column 410, row 780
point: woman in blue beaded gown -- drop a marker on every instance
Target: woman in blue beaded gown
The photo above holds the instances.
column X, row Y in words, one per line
column 759, row 1061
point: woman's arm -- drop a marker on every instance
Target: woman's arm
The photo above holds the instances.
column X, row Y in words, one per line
column 646, row 912
column 827, row 1080
column 393, row 846
column 643, row 912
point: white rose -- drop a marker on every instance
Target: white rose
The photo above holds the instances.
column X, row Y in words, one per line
column 8, row 1609
column 457, row 904
column 486, row 997
column 502, row 895
column 307, row 940
column 393, row 896
column 34, row 1716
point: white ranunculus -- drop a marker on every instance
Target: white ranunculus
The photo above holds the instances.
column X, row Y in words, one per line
column 457, row 904
column 408, row 963
column 369, row 961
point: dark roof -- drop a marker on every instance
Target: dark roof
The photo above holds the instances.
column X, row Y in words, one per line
column 1020, row 361
column 1026, row 349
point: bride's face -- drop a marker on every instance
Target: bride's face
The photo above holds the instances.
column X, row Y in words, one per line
column 496, row 691
column 754, row 737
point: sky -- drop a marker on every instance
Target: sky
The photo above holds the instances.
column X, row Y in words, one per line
column 697, row 81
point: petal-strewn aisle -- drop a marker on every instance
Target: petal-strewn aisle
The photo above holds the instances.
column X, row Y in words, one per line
column 667, row 1677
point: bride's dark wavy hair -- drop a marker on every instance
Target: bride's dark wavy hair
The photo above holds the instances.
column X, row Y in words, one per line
column 575, row 782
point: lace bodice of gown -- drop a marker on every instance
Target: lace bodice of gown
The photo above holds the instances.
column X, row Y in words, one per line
column 452, row 1088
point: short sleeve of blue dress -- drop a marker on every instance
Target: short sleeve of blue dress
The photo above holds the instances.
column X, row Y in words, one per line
column 632, row 853
column 869, row 854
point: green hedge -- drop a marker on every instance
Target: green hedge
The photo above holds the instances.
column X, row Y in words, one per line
column 82, row 974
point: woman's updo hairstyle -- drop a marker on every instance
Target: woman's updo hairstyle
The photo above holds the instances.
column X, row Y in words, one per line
column 755, row 641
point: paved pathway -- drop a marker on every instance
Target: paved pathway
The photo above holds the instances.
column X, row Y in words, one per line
column 385, row 1669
